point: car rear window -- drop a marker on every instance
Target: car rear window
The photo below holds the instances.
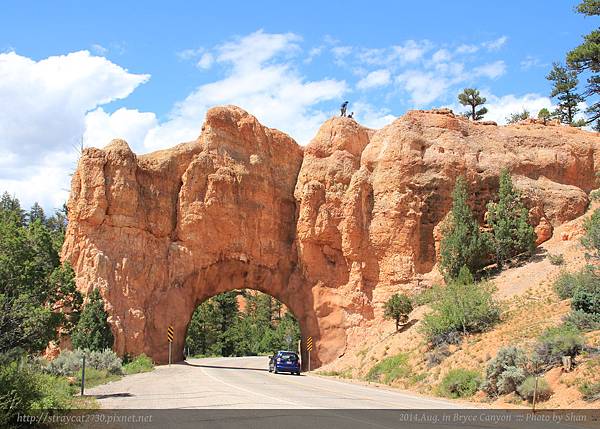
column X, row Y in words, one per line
column 289, row 356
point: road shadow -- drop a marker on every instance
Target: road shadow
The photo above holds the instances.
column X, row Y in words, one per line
column 223, row 367
column 113, row 395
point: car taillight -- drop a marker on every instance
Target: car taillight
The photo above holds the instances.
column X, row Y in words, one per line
column 278, row 360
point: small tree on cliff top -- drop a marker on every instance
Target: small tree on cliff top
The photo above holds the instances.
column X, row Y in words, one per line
column 509, row 218
column 470, row 97
column 544, row 114
column 398, row 307
column 92, row 331
column 462, row 244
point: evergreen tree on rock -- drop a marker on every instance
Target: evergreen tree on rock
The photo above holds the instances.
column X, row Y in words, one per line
column 586, row 58
column 470, row 97
column 462, row 243
column 92, row 331
column 509, row 219
column 564, row 88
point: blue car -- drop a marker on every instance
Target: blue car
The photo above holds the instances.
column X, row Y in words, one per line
column 284, row 361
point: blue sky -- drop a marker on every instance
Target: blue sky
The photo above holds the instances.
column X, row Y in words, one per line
column 147, row 71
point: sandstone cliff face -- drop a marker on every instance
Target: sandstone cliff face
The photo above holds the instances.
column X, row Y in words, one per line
column 330, row 231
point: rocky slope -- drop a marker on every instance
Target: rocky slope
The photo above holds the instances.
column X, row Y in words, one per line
column 530, row 305
column 331, row 230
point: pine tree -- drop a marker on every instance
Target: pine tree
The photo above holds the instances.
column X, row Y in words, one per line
column 36, row 213
column 586, row 57
column 92, row 331
column 470, row 97
column 10, row 206
column 564, row 88
column 509, row 219
column 462, row 243
column 544, row 114
column 32, row 283
column 227, row 313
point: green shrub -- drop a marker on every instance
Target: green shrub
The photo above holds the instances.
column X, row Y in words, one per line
column 69, row 362
column 427, row 296
column 583, row 321
column 463, row 306
column 141, row 363
column 66, row 363
column 527, row 389
column 586, row 296
column 460, row 383
column 390, row 369
column 565, row 284
column 92, row 331
column 56, row 393
column 591, row 239
column 95, row 377
column 556, row 259
column 104, row 360
column 506, row 371
column 554, row 343
column 398, row 307
column 19, row 390
column 590, row 391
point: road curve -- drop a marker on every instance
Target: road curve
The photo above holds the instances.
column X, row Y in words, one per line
column 244, row 382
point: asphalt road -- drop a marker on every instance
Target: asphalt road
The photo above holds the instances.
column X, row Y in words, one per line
column 244, row 382
column 239, row 393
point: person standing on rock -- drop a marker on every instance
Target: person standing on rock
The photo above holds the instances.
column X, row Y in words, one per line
column 343, row 108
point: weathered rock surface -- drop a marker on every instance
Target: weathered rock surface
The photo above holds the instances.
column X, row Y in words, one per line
column 330, row 231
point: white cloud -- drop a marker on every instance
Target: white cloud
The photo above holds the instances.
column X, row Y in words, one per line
column 205, row 61
column 467, row 49
column 128, row 124
column 411, row 51
column 424, row 88
column 340, row 53
column 441, row 55
column 491, row 70
column 313, row 53
column 494, row 45
column 501, row 107
column 530, row 61
column 42, row 113
column 374, row 79
column 262, row 78
column 408, row 52
column 188, row 54
column 371, row 116
column 99, row 49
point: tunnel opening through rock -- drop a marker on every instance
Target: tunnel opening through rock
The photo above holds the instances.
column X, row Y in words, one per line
column 243, row 322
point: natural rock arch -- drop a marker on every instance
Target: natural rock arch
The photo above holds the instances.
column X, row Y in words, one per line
column 331, row 230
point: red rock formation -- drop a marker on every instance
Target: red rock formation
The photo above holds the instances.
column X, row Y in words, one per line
column 331, row 233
